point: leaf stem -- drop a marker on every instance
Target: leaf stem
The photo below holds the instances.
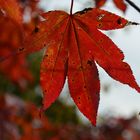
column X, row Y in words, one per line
column 72, row 1
column 133, row 5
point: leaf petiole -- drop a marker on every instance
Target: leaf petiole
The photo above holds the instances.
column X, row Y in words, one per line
column 72, row 1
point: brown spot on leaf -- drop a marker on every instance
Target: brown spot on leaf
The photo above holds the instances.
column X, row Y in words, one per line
column 100, row 25
column 36, row 30
column 88, row 97
column 21, row 49
column 81, row 67
column 46, row 55
column 89, row 62
column 100, row 41
column 85, row 87
column 72, row 80
column 119, row 21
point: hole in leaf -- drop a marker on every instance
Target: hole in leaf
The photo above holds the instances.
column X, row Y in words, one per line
column 100, row 17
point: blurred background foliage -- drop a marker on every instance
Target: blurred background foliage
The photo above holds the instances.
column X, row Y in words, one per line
column 21, row 95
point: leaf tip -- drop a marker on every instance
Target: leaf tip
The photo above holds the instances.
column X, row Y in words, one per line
column 93, row 122
column 138, row 89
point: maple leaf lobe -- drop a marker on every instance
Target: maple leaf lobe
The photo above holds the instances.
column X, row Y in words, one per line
column 120, row 4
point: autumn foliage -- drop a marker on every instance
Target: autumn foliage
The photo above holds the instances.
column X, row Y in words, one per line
column 73, row 46
column 12, row 34
column 15, row 68
column 120, row 4
column 22, row 118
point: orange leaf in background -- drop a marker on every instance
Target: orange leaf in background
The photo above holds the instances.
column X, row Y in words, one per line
column 25, row 124
column 74, row 43
column 100, row 3
column 11, row 38
column 120, row 4
column 22, row 118
column 12, row 9
column 12, row 34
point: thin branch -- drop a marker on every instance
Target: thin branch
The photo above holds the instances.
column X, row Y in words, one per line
column 71, row 7
column 133, row 5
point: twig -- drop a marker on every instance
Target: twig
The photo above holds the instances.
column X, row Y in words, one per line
column 133, row 5
column 71, row 7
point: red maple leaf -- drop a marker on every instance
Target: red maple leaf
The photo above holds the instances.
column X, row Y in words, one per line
column 74, row 43
column 120, row 4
